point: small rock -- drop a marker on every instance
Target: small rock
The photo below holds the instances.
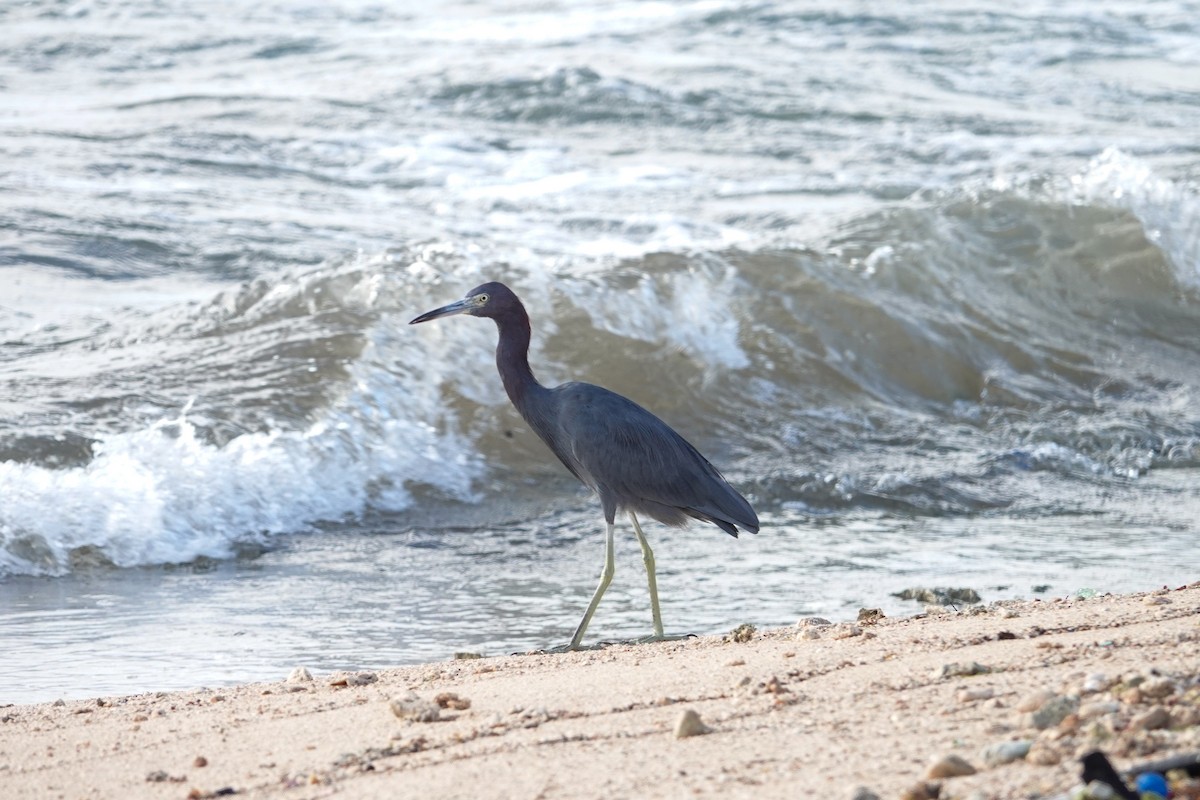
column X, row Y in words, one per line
column 959, row 669
column 944, row 596
column 922, row 791
column 1157, row 600
column 1098, row 708
column 1036, row 700
column 737, row 662
column 452, row 701
column 1185, row 717
column 949, row 766
column 200, row 761
column 1044, row 754
column 1069, row 724
column 1096, row 682
column 845, row 630
column 1052, row 712
column 690, row 724
column 863, row 793
column 157, row 776
column 352, row 678
column 1152, row 720
column 819, row 622
column 1132, row 696
column 415, row 708
column 743, row 633
column 1009, row 613
column 1099, row 790
column 809, row 633
column 869, row 616
column 1005, row 752
column 1158, row 688
column 299, row 675
column 973, row 695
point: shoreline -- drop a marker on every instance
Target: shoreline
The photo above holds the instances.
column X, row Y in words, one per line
column 805, row 709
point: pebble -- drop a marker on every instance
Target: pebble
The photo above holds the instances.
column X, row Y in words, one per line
column 200, row 761
column 1158, row 688
column 863, row 793
column 1185, row 717
column 1096, row 682
column 1099, row 790
column 1052, row 712
column 972, row 695
column 1131, row 696
column 1098, row 708
column 845, row 630
column 690, row 724
column 1035, row 701
column 809, row 633
column 1005, row 752
column 819, row 622
column 415, row 708
column 355, row 679
column 299, row 675
column 921, row 791
column 1069, row 725
column 1152, row 720
column 958, row 669
column 1044, row 754
column 949, row 766
column 869, row 616
column 452, row 701
column 743, row 633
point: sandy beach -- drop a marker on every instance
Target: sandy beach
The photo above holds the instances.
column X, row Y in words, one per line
column 808, row 710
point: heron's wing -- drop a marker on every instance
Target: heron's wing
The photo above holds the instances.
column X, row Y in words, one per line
column 638, row 458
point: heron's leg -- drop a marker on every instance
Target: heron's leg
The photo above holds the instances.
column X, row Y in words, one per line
column 605, row 579
column 648, row 557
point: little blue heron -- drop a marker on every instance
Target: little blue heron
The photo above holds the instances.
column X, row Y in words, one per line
column 633, row 460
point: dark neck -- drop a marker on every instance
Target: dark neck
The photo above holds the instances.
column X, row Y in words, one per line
column 512, row 359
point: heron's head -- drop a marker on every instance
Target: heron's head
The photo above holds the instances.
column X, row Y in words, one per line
column 488, row 300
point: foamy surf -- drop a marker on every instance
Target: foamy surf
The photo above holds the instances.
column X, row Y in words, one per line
column 164, row 495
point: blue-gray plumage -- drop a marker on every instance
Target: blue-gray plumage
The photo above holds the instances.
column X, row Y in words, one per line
column 630, row 458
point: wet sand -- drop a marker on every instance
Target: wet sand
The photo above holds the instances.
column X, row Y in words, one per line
column 808, row 710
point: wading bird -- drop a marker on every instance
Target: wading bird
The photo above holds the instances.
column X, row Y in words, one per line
column 633, row 460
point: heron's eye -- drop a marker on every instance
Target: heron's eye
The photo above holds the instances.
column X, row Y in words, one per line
column 480, row 299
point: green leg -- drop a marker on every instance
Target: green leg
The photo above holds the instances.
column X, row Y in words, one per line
column 605, row 579
column 648, row 557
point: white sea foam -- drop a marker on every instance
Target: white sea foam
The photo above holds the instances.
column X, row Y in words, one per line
column 162, row 495
column 1170, row 213
column 690, row 311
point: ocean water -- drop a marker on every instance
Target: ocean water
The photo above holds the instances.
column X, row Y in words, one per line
column 922, row 279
